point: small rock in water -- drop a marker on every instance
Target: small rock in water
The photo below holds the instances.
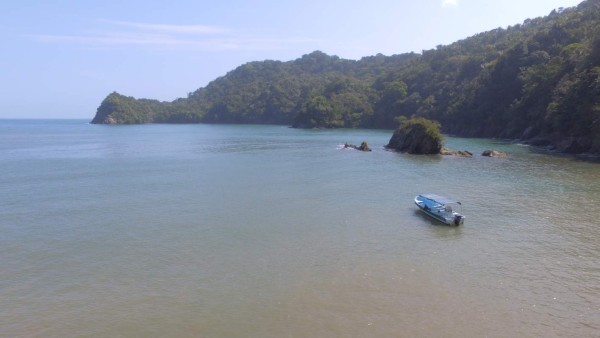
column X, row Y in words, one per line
column 494, row 153
column 461, row 153
column 364, row 146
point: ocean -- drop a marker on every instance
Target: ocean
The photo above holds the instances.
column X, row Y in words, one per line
column 268, row 231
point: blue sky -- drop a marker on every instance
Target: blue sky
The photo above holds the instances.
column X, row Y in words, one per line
column 61, row 58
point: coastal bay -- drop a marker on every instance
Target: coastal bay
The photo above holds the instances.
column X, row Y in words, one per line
column 268, row 231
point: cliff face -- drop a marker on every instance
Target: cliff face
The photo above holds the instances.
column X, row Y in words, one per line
column 107, row 111
column 538, row 82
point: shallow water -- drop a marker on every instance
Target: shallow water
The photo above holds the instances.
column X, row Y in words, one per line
column 267, row 231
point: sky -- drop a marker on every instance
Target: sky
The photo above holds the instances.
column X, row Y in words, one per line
column 61, row 58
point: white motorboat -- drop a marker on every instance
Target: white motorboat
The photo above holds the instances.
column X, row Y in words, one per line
column 441, row 208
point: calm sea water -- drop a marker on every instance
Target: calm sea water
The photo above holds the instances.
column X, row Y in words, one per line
column 267, row 231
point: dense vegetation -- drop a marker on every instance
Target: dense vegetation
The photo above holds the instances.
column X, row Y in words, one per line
column 538, row 81
column 417, row 135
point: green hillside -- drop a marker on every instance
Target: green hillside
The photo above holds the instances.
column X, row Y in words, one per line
column 538, row 81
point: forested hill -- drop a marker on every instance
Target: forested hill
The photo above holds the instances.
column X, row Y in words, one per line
column 538, row 81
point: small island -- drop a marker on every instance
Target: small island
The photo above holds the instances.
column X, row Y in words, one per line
column 416, row 136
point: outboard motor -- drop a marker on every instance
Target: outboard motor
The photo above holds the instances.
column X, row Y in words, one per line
column 457, row 220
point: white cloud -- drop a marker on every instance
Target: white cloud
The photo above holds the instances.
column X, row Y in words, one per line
column 209, row 38
column 450, row 3
column 166, row 28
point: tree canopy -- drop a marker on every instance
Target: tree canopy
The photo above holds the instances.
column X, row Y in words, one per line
column 537, row 81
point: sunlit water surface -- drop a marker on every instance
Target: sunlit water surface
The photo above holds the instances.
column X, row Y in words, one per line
column 267, row 231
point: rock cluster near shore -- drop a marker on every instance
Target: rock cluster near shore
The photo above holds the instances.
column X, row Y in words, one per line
column 364, row 146
column 460, row 153
column 466, row 153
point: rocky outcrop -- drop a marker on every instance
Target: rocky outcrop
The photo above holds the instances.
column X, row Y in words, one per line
column 120, row 109
column 459, row 153
column 364, row 146
column 417, row 136
column 494, row 153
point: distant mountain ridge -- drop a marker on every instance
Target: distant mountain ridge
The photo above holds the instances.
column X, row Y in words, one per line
column 538, row 81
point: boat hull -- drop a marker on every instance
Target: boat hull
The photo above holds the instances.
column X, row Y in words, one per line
column 438, row 212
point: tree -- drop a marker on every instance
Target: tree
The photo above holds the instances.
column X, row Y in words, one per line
column 318, row 112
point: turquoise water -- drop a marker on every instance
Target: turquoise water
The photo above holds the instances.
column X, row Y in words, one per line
column 268, row 231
